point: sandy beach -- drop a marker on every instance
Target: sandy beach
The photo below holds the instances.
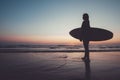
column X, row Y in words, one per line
column 59, row 66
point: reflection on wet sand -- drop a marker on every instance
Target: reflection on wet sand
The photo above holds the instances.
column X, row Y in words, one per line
column 59, row 66
column 87, row 70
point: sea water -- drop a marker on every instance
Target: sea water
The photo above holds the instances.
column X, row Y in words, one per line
column 64, row 48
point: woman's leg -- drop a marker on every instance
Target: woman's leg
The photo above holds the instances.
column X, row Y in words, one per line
column 86, row 46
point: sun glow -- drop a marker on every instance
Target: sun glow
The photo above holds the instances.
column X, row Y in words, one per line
column 62, row 40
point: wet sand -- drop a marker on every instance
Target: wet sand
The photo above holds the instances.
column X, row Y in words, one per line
column 59, row 66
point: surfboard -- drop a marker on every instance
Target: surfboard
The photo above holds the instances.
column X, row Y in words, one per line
column 92, row 34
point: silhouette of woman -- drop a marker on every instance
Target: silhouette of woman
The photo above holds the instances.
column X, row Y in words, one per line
column 85, row 26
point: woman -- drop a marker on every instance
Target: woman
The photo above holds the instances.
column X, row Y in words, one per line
column 85, row 26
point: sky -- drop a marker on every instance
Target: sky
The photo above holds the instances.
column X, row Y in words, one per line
column 49, row 21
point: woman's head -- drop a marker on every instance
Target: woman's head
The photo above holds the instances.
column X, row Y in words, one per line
column 85, row 16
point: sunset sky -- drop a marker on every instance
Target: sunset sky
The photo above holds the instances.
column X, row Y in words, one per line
column 49, row 21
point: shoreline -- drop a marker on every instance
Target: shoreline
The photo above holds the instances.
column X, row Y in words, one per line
column 36, row 51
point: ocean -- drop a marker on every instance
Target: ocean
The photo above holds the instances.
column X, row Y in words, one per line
column 58, row 48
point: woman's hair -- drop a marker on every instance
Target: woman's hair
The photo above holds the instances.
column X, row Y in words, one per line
column 85, row 16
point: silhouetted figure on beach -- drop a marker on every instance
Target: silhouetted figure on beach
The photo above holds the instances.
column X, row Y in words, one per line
column 85, row 26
